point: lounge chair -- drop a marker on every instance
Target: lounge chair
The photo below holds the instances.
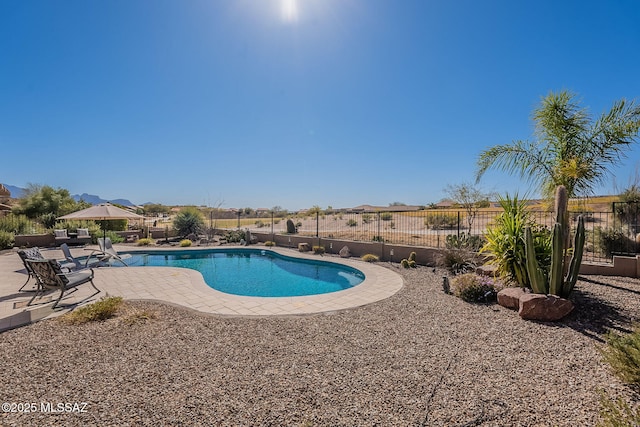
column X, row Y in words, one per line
column 106, row 253
column 50, row 276
column 70, row 258
column 34, row 253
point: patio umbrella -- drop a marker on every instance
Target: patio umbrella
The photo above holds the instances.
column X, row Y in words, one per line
column 102, row 212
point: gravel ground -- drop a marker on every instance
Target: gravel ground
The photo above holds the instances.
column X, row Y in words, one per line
column 418, row 358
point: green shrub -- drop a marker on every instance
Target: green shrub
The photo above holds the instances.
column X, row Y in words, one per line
column 442, row 220
column 366, row 218
column 612, row 240
column 6, row 239
column 103, row 309
column 269, row 243
column 16, row 224
column 235, row 236
column 472, row 287
column 188, row 221
column 352, row 222
column 318, row 250
column 259, row 224
column 370, row 258
column 458, row 261
column 185, row 243
column 291, row 227
column 412, row 263
column 617, row 413
column 412, row 256
column 464, row 241
column 386, row 216
column 145, row 242
column 404, row 263
column 115, row 237
column 622, row 352
column 505, row 241
column 377, row 239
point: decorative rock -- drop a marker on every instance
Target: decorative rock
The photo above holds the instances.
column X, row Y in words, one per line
column 304, row 247
column 546, row 308
column 510, row 297
column 345, row 252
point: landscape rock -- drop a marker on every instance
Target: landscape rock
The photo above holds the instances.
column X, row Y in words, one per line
column 510, row 297
column 345, row 252
column 304, row 247
column 546, row 308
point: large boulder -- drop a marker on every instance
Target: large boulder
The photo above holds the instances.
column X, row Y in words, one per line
column 304, row 247
column 510, row 297
column 546, row 308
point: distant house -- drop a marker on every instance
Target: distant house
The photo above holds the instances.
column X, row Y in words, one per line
column 395, row 208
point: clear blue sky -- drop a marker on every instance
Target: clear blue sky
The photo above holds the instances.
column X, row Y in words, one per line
column 258, row 103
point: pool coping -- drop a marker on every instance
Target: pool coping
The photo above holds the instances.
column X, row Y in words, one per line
column 186, row 288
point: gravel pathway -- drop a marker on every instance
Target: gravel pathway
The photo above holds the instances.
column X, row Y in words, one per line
column 418, row 358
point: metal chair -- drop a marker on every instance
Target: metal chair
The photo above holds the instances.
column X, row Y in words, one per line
column 49, row 275
column 34, row 253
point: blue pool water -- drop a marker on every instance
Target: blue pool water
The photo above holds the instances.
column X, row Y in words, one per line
column 255, row 272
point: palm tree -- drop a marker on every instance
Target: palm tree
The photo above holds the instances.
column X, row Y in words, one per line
column 570, row 149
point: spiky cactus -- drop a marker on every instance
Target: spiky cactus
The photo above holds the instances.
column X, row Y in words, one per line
column 557, row 284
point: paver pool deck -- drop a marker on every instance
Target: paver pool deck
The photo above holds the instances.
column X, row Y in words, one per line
column 183, row 287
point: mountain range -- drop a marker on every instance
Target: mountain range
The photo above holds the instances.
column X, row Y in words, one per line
column 17, row 192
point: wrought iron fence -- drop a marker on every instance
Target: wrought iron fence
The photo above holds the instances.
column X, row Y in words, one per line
column 616, row 232
column 606, row 235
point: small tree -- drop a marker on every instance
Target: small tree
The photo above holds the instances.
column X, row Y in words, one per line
column 188, row 221
column 469, row 197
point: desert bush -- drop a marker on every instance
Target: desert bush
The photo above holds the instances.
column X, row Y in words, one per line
column 16, row 224
column 472, row 287
column 370, row 258
column 458, row 261
column 188, row 221
column 366, row 218
column 145, row 242
column 318, row 250
column 115, row 237
column 617, row 413
column 352, row 222
column 612, row 240
column 235, row 236
column 405, row 263
column 103, row 309
column 441, row 220
column 622, row 352
column 259, row 224
column 269, row 243
column 386, row 216
column 464, row 241
column 6, row 239
column 291, row 227
column 185, row 243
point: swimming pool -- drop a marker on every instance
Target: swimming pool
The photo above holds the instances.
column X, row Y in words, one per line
column 255, row 272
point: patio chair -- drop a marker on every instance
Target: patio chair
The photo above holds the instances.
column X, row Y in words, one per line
column 107, row 253
column 70, row 258
column 83, row 235
column 61, row 236
column 50, row 277
column 34, row 253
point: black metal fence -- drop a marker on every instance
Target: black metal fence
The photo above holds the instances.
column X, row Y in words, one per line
column 616, row 232
column 607, row 233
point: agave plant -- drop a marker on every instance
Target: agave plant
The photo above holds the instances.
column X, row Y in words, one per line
column 505, row 241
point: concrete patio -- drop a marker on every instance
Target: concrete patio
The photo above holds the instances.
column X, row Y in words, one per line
column 183, row 287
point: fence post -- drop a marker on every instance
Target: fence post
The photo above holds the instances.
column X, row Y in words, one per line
column 458, row 225
column 318, row 226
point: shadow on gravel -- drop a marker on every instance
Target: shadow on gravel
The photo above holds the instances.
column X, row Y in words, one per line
column 594, row 317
